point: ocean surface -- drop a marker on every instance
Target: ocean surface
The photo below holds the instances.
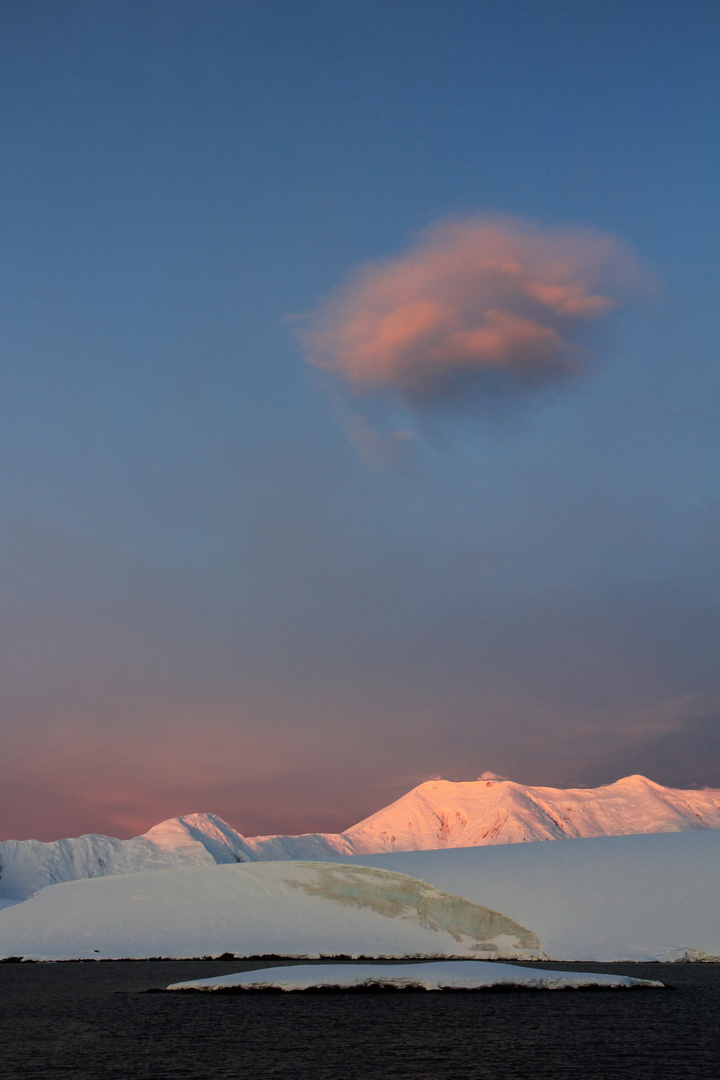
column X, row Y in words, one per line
column 93, row 1020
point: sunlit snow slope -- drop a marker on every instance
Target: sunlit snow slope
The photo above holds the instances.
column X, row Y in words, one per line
column 442, row 814
column 437, row 814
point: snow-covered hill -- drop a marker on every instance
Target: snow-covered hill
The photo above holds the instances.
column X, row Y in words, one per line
column 437, row 814
column 288, row 908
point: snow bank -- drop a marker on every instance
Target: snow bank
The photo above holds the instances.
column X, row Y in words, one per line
column 608, row 898
column 282, row 908
column 444, row 975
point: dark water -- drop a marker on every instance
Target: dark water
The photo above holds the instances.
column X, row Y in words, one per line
column 93, row 1020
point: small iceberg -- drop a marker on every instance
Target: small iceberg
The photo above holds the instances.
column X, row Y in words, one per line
column 687, row 956
column 439, row 975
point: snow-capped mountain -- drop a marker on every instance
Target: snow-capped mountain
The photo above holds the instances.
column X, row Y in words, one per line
column 437, row 814
column 441, row 814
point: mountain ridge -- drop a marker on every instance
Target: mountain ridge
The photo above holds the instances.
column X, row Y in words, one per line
column 435, row 814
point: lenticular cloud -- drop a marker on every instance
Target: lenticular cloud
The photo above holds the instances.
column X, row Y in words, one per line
column 480, row 302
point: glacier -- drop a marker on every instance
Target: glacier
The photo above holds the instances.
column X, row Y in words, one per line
column 285, row 908
column 642, row 897
column 637, row 898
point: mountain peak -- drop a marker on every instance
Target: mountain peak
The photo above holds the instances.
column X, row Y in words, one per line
column 444, row 813
column 435, row 814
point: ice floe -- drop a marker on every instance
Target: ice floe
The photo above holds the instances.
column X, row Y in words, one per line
column 442, row 975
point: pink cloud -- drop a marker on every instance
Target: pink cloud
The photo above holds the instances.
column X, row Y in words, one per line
column 471, row 297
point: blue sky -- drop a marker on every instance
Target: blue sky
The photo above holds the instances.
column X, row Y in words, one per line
column 235, row 579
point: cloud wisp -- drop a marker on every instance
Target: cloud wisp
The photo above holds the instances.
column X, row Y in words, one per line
column 479, row 305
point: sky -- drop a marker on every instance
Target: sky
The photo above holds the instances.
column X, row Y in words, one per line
column 360, row 404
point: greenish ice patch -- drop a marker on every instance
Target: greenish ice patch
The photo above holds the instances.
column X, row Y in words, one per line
column 393, row 895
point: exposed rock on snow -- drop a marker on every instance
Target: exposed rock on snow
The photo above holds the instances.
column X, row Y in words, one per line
column 443, row 975
column 282, row 908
